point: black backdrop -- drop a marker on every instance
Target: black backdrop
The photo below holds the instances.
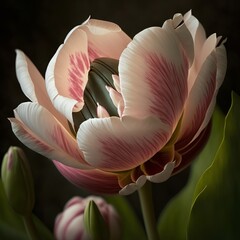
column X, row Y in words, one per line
column 39, row 27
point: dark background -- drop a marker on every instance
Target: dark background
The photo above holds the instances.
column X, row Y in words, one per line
column 39, row 27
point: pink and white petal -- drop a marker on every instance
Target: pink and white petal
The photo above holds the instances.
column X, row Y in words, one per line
column 199, row 37
column 199, row 99
column 33, row 85
column 102, row 112
column 69, row 224
column 67, row 74
column 115, row 96
column 153, row 73
column 95, row 181
column 207, row 48
column 114, row 144
column 38, row 129
column 178, row 26
column 197, row 31
column 73, row 230
column 164, row 175
column 132, row 187
column 105, row 39
column 221, row 56
column 116, row 82
column 23, row 68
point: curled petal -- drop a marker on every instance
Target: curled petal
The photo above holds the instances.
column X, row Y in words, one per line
column 114, row 144
column 33, row 85
column 40, row 131
column 93, row 180
column 30, row 79
column 132, row 187
column 164, row 175
column 105, row 39
column 153, row 72
column 67, row 74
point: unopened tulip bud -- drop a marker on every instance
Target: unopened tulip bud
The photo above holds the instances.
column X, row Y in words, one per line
column 94, row 222
column 17, row 181
column 88, row 218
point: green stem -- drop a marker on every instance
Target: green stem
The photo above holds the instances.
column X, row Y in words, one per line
column 30, row 227
column 145, row 196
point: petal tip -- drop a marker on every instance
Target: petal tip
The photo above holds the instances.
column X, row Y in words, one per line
column 132, row 187
column 164, row 175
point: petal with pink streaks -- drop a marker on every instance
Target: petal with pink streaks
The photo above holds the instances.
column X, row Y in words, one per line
column 200, row 98
column 153, row 73
column 38, row 129
column 67, row 74
column 114, row 144
column 221, row 71
column 95, row 181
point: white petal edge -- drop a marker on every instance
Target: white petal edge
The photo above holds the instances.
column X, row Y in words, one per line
column 24, row 77
column 164, row 175
column 41, row 132
column 132, row 187
column 63, row 104
column 114, row 144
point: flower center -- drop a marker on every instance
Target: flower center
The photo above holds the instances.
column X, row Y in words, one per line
column 99, row 76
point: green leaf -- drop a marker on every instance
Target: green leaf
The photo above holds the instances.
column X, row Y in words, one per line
column 131, row 227
column 174, row 219
column 215, row 212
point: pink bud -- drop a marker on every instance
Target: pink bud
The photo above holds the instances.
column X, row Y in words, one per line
column 69, row 224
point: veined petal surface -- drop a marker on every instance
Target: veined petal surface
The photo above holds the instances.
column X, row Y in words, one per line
column 37, row 128
column 67, row 74
column 153, row 72
column 94, row 180
column 114, row 144
column 199, row 99
column 221, row 57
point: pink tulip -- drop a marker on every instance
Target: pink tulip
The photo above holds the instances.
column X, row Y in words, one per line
column 149, row 121
column 70, row 225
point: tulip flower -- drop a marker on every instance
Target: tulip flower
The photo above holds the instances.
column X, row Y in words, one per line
column 115, row 112
column 70, row 224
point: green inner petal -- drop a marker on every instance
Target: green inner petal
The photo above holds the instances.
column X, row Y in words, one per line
column 99, row 76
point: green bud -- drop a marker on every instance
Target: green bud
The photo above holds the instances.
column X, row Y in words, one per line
column 94, row 222
column 17, row 181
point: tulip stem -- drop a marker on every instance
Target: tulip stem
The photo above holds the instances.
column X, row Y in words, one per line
column 145, row 196
column 30, row 227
